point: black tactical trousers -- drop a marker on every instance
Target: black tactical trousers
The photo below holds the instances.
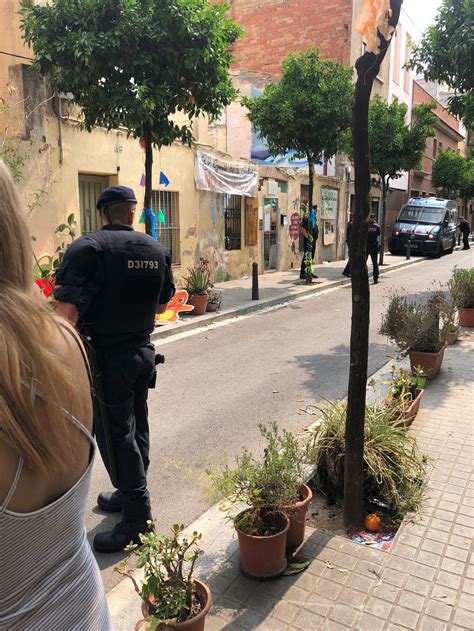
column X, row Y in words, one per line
column 373, row 252
column 121, row 423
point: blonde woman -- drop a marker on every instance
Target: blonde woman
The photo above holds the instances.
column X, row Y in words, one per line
column 48, row 576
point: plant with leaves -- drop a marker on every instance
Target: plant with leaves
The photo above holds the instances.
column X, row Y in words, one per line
column 466, row 186
column 445, row 54
column 448, row 171
column 395, row 146
column 263, row 485
column 461, row 287
column 308, row 111
column 168, row 588
column 46, row 265
column 394, row 471
column 198, row 279
column 151, row 67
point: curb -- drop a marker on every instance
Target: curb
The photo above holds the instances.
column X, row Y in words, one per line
column 260, row 305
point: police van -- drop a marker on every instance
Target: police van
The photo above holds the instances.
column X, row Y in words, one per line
column 430, row 224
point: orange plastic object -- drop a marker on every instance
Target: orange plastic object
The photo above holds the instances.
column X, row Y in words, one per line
column 372, row 522
column 177, row 304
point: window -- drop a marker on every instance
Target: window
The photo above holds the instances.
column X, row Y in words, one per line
column 407, row 75
column 168, row 233
column 233, row 222
column 283, row 186
column 90, row 187
column 396, row 57
column 414, row 193
column 440, row 147
column 435, row 147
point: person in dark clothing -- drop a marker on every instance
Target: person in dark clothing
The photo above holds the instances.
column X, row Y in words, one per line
column 309, row 226
column 373, row 246
column 111, row 283
column 465, row 231
column 347, row 270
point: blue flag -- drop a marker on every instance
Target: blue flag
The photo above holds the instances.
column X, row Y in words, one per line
column 163, row 179
column 150, row 215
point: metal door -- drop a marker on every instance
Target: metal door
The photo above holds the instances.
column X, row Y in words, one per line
column 90, row 187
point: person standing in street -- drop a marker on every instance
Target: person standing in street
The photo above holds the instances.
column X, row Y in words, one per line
column 111, row 283
column 49, row 578
column 309, row 226
column 465, row 231
column 373, row 246
column 347, row 270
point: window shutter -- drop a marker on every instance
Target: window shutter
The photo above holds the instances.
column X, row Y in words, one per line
column 251, row 221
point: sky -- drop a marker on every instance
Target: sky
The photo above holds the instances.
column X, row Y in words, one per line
column 422, row 12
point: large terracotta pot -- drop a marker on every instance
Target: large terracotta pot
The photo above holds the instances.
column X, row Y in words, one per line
column 199, row 302
column 193, row 624
column 264, row 557
column 466, row 316
column 297, row 515
column 429, row 362
column 452, row 337
column 405, row 415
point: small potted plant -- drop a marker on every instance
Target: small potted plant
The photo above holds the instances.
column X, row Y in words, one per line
column 404, row 396
column 461, row 286
column 268, row 490
column 196, row 283
column 171, row 596
column 452, row 333
column 419, row 329
column 215, row 299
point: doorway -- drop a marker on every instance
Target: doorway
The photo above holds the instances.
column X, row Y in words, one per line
column 90, row 187
column 270, row 236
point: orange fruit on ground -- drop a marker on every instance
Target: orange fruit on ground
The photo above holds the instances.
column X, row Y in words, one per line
column 372, row 522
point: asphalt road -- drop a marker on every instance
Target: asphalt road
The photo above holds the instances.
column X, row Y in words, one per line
column 216, row 386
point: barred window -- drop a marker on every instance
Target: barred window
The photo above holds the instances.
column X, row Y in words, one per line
column 233, row 222
column 168, row 233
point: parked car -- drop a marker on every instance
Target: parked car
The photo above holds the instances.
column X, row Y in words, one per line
column 429, row 223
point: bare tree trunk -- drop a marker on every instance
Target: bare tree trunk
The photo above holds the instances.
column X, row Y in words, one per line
column 367, row 68
column 309, row 240
column 384, row 218
column 148, row 173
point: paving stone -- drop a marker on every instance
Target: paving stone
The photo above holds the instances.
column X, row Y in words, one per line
column 285, row 611
column 271, row 624
column 468, row 586
column 296, row 595
column 444, row 594
column 439, row 610
column 463, row 618
column 227, row 608
column 262, row 602
column 453, row 566
column 436, row 547
column 431, row 624
column 331, row 625
column 307, row 620
column 423, row 571
column 404, row 617
column 466, row 601
column 353, row 598
column 327, row 589
column 343, row 614
column 448, row 580
column 428, row 558
column 343, row 560
column 453, row 552
column 378, row 607
column 361, row 582
column 364, row 622
column 214, row 623
column 437, row 535
column 386, row 591
column 418, row 585
column 318, row 604
column 393, row 577
column 411, row 601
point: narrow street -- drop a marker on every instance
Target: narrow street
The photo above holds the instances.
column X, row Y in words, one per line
column 216, row 386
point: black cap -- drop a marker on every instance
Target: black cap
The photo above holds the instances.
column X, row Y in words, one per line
column 115, row 195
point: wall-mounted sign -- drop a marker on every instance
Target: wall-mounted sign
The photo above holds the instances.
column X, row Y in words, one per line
column 232, row 178
column 329, row 203
column 294, row 227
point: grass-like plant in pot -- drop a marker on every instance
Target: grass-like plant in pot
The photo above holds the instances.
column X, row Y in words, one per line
column 171, row 596
column 461, row 286
column 264, row 491
column 404, row 395
column 395, row 472
column 196, row 283
column 419, row 328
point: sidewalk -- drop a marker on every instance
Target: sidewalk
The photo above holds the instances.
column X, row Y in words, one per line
column 425, row 582
column 275, row 288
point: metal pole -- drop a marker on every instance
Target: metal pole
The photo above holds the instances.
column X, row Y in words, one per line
column 255, row 281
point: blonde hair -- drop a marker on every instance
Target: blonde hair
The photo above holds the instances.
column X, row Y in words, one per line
column 34, row 427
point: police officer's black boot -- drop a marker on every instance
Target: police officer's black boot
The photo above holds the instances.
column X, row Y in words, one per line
column 123, row 533
column 110, row 502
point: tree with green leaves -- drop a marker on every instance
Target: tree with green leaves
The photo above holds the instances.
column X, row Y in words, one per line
column 151, row 67
column 396, row 147
column 466, row 188
column 448, row 171
column 308, row 111
column 446, row 53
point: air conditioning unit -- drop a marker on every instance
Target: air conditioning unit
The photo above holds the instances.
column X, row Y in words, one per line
column 272, row 188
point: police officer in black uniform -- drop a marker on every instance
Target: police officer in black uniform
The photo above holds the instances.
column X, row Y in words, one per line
column 373, row 245
column 112, row 282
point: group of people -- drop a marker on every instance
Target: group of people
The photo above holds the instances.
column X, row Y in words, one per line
column 83, row 369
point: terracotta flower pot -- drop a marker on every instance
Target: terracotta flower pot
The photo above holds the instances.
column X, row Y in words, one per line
column 466, row 316
column 213, row 306
column 407, row 412
column 193, row 624
column 199, row 302
column 429, row 362
column 264, row 557
column 452, row 337
column 297, row 515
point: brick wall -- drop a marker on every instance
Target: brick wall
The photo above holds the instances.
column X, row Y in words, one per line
column 273, row 28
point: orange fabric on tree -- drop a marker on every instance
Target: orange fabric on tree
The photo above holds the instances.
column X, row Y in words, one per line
column 374, row 17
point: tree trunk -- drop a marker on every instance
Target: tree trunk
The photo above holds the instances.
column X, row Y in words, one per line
column 148, row 173
column 309, row 240
column 384, row 218
column 367, row 68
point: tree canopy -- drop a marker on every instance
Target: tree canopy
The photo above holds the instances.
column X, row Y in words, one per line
column 446, row 54
column 452, row 172
column 395, row 146
column 308, row 111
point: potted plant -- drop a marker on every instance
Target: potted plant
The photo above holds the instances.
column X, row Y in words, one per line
column 268, row 490
column 215, row 299
column 395, row 472
column 196, row 283
column 404, row 396
column 419, row 329
column 452, row 333
column 171, row 596
column 461, row 286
